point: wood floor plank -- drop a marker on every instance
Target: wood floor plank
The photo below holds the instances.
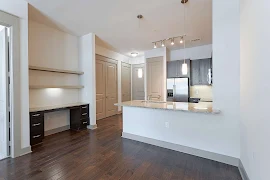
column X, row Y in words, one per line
column 103, row 154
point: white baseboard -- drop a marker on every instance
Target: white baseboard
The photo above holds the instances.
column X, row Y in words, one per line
column 25, row 151
column 56, row 130
column 92, row 127
column 188, row 150
column 242, row 171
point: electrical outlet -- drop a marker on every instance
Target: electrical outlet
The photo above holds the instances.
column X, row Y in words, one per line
column 197, row 91
column 167, row 124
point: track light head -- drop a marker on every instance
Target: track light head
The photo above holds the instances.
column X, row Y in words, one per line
column 172, row 41
column 162, row 43
column 181, row 41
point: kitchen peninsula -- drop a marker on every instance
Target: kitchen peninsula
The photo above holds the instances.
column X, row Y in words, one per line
column 184, row 127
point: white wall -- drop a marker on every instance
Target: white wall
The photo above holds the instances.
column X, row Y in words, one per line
column 226, row 70
column 137, row 60
column 255, row 88
column 199, row 52
column 52, row 48
column 19, row 8
column 120, row 58
column 88, row 65
column 214, row 133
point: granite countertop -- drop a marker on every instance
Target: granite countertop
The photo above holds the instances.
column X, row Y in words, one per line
column 202, row 107
column 47, row 108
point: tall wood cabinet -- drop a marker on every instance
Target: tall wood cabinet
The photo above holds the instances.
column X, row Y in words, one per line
column 126, row 81
column 106, row 87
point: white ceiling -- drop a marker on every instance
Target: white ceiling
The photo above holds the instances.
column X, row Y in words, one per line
column 116, row 25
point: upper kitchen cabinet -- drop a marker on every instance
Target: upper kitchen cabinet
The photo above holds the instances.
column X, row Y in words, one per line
column 174, row 69
column 200, row 72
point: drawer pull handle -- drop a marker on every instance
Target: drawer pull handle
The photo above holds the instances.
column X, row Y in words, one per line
column 35, row 115
column 84, row 122
column 38, row 124
column 84, row 114
column 36, row 136
column 84, row 107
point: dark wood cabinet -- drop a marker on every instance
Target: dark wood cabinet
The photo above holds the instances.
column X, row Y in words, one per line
column 199, row 71
column 36, row 127
column 174, row 69
column 79, row 119
column 195, row 72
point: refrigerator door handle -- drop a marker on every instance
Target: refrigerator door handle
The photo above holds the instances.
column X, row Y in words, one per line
column 174, row 89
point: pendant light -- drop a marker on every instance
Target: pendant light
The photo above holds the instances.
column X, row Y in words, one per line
column 184, row 65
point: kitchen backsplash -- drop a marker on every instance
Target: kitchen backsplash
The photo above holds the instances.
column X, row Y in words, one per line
column 203, row 92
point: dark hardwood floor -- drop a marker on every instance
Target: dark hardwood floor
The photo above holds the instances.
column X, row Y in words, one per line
column 103, row 154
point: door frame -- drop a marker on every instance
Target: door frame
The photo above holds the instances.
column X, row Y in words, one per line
column 13, row 23
column 141, row 65
column 148, row 60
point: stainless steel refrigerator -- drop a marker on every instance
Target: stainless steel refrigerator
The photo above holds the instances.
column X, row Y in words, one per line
column 178, row 89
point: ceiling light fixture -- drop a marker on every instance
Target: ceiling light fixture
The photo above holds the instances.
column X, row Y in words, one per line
column 134, row 54
column 172, row 41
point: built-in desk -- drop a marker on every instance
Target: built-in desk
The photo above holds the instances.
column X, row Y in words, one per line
column 79, row 119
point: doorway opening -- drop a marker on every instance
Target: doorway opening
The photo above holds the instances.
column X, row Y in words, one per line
column 4, row 93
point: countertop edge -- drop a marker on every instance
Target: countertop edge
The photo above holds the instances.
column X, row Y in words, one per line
column 215, row 111
column 48, row 108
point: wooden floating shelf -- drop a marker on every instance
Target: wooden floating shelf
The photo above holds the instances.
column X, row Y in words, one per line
column 55, row 70
column 48, row 86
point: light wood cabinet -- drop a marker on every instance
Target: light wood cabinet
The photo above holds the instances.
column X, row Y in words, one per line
column 126, row 82
column 106, row 87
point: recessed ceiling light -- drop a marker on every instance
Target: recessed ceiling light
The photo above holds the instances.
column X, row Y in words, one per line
column 134, row 54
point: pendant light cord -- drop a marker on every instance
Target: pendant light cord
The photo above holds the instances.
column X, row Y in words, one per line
column 184, row 33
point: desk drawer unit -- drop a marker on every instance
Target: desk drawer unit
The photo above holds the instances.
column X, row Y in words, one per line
column 36, row 128
column 79, row 117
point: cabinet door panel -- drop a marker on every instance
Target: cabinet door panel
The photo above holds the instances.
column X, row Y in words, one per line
column 172, row 70
column 111, row 89
column 205, row 65
column 195, row 72
column 100, row 89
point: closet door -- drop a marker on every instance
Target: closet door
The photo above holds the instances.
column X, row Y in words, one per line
column 100, row 89
column 126, row 82
column 111, row 89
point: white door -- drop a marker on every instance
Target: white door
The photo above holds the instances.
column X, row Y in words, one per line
column 155, row 79
column 138, row 82
column 3, row 94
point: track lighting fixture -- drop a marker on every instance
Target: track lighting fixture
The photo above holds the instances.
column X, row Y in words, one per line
column 172, row 40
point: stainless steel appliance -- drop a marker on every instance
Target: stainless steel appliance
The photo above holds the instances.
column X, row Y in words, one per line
column 178, row 89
